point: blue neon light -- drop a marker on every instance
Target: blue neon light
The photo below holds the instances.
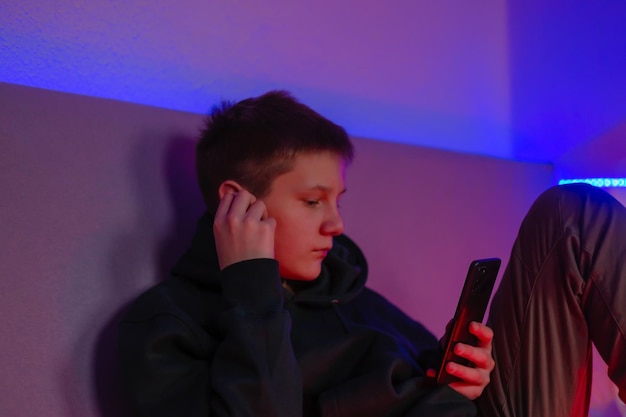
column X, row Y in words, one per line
column 598, row 182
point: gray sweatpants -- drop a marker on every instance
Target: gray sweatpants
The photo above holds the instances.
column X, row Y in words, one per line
column 563, row 289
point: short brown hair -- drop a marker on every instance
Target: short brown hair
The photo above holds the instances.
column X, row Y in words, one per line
column 255, row 140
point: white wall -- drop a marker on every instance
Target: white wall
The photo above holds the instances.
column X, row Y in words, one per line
column 99, row 199
column 527, row 80
column 433, row 73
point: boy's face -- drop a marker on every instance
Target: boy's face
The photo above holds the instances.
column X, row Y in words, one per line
column 304, row 202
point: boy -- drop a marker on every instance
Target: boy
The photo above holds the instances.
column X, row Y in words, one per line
column 267, row 314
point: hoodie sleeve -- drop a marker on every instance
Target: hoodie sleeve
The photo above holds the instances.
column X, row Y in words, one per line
column 174, row 367
column 423, row 397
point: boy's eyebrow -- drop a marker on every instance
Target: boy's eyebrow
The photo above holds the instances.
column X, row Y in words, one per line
column 325, row 188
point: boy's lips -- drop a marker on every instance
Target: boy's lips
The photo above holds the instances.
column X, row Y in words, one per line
column 322, row 251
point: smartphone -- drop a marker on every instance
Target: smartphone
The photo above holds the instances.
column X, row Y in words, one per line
column 472, row 305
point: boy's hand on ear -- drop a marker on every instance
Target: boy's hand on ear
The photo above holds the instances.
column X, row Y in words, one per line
column 242, row 229
column 474, row 379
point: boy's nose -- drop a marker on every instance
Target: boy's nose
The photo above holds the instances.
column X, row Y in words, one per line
column 333, row 226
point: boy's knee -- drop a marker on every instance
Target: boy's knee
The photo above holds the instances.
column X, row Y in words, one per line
column 572, row 206
column 585, row 196
column 547, row 205
column 572, row 197
column 575, row 191
column 557, row 207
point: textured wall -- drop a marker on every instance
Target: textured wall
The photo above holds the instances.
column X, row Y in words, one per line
column 98, row 200
column 528, row 80
column 430, row 73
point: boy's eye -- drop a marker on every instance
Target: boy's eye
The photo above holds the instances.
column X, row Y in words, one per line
column 312, row 203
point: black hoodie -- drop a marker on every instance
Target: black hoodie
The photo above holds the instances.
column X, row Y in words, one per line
column 237, row 343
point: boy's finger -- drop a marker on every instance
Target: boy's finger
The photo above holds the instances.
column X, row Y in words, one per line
column 465, row 373
column 242, row 201
column 257, row 211
column 224, row 205
column 480, row 357
column 482, row 332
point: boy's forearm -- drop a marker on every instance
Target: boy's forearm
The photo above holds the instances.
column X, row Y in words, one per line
column 173, row 364
column 254, row 370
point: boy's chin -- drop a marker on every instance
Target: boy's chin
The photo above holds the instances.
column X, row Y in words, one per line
column 301, row 275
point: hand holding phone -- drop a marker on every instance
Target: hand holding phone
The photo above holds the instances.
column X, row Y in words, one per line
column 472, row 305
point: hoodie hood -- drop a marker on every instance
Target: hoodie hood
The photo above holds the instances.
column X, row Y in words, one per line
column 343, row 274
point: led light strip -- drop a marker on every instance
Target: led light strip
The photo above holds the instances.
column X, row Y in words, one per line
column 598, row 182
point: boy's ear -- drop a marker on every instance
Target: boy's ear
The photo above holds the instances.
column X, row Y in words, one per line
column 228, row 186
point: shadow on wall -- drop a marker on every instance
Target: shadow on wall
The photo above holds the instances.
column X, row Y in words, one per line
column 186, row 206
column 185, row 200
